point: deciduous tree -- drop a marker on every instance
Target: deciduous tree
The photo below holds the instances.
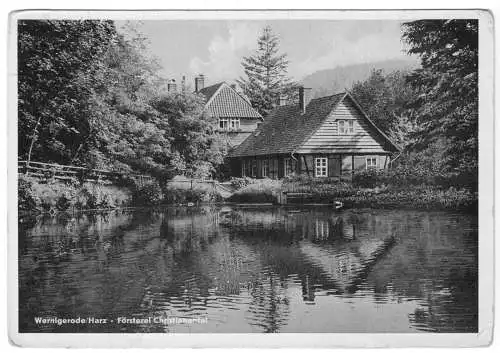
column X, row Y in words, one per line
column 447, row 85
column 57, row 63
column 385, row 98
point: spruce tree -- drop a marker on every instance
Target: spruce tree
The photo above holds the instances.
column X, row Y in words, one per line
column 266, row 72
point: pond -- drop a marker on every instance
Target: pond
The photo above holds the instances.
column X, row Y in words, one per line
column 249, row 269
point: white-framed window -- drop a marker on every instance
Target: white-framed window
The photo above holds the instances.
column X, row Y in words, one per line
column 371, row 162
column 346, row 127
column 265, row 168
column 234, row 123
column 253, row 171
column 224, row 123
column 321, row 167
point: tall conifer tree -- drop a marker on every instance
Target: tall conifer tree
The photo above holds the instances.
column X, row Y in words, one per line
column 266, row 72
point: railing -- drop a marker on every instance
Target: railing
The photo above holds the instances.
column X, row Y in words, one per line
column 69, row 172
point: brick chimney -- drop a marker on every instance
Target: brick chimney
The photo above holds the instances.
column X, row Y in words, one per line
column 305, row 96
column 199, row 83
column 172, row 86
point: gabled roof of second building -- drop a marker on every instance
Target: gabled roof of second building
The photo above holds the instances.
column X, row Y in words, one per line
column 223, row 101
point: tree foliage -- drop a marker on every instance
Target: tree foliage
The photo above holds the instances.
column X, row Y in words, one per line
column 196, row 145
column 266, row 72
column 90, row 96
column 447, row 84
column 385, row 98
column 57, row 66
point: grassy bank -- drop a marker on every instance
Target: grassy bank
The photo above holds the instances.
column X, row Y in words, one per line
column 51, row 196
column 55, row 196
column 416, row 197
column 387, row 189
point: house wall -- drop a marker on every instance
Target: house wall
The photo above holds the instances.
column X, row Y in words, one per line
column 327, row 139
column 248, row 125
column 236, row 137
column 338, row 165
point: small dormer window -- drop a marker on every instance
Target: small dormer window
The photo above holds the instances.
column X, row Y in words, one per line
column 346, row 127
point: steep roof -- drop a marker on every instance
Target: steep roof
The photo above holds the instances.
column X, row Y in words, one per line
column 209, row 91
column 286, row 128
column 223, row 101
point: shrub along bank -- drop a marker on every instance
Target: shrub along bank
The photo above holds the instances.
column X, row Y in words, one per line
column 50, row 196
column 398, row 188
column 255, row 190
column 53, row 196
column 177, row 192
column 378, row 189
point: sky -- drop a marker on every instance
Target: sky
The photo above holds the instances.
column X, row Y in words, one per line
column 215, row 48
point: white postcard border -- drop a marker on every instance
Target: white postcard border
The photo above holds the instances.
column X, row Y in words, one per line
column 486, row 200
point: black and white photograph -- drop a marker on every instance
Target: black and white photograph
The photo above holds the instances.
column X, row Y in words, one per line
column 264, row 173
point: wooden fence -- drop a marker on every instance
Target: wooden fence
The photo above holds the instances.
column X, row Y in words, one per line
column 69, row 172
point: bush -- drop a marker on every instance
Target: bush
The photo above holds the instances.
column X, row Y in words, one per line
column 28, row 200
column 318, row 187
column 239, row 183
column 369, row 178
column 177, row 192
column 260, row 191
column 90, row 195
column 65, row 201
column 417, row 197
column 403, row 176
column 148, row 194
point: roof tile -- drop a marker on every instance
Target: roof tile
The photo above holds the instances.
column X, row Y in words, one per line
column 225, row 102
column 286, row 128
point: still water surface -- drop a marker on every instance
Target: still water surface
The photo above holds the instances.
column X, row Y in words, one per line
column 251, row 269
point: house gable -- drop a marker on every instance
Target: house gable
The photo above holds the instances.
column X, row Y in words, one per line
column 366, row 138
column 225, row 102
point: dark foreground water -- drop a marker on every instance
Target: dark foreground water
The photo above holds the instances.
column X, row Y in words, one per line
column 244, row 269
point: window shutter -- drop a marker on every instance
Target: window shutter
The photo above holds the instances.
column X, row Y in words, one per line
column 331, row 166
column 281, row 165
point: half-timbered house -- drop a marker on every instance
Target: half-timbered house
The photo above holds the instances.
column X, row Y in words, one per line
column 323, row 137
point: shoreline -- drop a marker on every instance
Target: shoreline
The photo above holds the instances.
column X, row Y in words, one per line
column 37, row 198
column 347, row 206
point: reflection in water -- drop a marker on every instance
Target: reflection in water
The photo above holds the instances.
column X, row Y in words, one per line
column 265, row 269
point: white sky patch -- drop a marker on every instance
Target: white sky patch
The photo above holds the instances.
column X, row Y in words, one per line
column 342, row 52
column 225, row 54
column 216, row 48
